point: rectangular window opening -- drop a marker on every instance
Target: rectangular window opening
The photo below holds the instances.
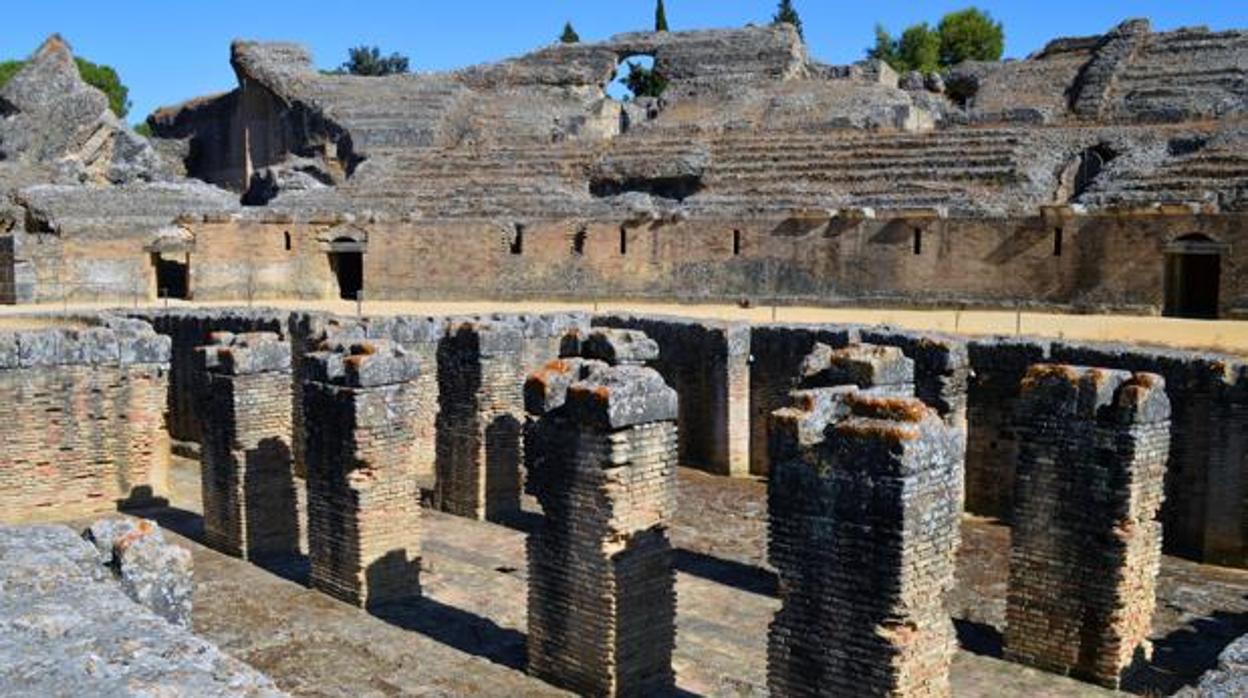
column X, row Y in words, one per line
column 918, row 241
column 517, row 242
column 1057, row 242
column 736, row 243
column 623, row 240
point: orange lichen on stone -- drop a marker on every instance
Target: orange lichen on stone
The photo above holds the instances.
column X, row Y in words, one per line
column 363, row 349
column 899, row 409
column 1040, row 372
column 142, row 530
column 890, row 431
column 1147, row 380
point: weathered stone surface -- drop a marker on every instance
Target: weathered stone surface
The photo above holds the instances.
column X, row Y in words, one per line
column 601, row 577
column 1086, row 542
column 69, row 629
column 154, row 573
column 1228, row 679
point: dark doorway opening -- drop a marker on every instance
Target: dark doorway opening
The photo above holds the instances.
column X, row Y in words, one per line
column 1193, row 277
column 348, row 268
column 172, row 275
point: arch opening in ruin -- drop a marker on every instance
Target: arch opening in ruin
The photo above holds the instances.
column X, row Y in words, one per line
column 1193, row 277
column 346, row 261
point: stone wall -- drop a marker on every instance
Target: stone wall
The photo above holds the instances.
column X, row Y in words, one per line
column 247, row 479
column 600, row 453
column 707, row 362
column 1086, row 545
column 776, row 353
column 188, row 330
column 359, row 405
column 480, row 416
column 863, row 501
column 83, row 408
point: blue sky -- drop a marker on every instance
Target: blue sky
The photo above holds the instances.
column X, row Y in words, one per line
column 169, row 51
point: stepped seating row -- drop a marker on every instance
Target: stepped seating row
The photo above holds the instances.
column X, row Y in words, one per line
column 1191, row 178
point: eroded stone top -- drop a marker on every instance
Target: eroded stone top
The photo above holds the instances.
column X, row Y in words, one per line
column 366, row 363
column 245, row 353
column 1061, row 391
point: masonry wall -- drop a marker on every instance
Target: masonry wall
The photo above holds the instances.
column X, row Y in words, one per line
column 189, row 329
column 83, row 410
column 707, row 363
column 1086, row 545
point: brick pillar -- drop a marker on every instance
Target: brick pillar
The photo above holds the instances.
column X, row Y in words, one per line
column 480, row 413
column 249, row 500
column 601, row 449
column 864, row 527
column 363, row 498
column 1086, row 544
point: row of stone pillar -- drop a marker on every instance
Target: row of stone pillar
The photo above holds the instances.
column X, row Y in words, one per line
column 864, row 504
column 864, row 501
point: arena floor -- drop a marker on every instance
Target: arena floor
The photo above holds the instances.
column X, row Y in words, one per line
column 466, row 637
column 1229, row 336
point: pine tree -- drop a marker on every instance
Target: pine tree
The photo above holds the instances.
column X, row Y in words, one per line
column 660, row 17
column 569, row 35
column 787, row 14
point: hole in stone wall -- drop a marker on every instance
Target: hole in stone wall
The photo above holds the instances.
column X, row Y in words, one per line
column 347, row 266
column 635, row 77
column 677, row 188
column 918, row 241
column 623, row 240
column 1057, row 242
column 517, row 240
column 172, row 275
column 1091, row 162
column 578, row 240
column 736, row 243
column 286, row 241
column 1193, row 277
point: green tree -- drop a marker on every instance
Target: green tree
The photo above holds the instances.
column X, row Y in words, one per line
column 787, row 14
column 970, row 35
column 143, row 129
column 569, row 35
column 643, row 81
column 660, row 17
column 963, row 35
column 101, row 77
column 368, row 61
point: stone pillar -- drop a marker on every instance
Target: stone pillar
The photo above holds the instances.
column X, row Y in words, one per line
column 363, row 499
column 1086, row 544
column 601, row 454
column 864, row 528
column 480, row 408
column 250, row 508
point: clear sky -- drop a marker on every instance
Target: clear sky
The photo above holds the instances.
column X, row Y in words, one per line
column 176, row 49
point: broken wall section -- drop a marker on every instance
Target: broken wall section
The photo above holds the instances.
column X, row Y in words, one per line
column 708, row 364
column 360, row 405
column 601, row 454
column 1086, row 545
column 83, row 409
column 864, row 506
column 247, row 480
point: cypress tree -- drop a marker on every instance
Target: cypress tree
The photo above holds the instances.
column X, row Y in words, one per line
column 787, row 14
column 660, row 17
column 569, row 35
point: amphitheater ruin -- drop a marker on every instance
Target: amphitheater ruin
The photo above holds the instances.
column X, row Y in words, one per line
column 210, row 484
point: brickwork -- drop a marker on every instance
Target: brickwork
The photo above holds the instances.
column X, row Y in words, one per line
column 601, row 454
column 363, row 499
column 1086, row 544
column 707, row 362
column 864, row 513
column 480, row 413
column 249, row 499
column 83, row 414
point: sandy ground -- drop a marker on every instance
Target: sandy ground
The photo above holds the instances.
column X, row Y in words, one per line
column 1224, row 335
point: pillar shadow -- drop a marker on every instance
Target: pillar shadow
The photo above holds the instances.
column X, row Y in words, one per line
column 1184, row 655
column 979, row 638
column 731, row 573
column 454, row 627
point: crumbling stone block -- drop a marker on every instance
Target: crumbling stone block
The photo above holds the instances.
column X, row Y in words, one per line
column 1086, row 545
column 864, row 527
column 601, row 455
column 479, row 422
column 363, row 497
column 249, row 500
column 154, row 573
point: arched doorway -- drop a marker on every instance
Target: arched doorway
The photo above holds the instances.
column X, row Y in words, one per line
column 346, row 261
column 1193, row 277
